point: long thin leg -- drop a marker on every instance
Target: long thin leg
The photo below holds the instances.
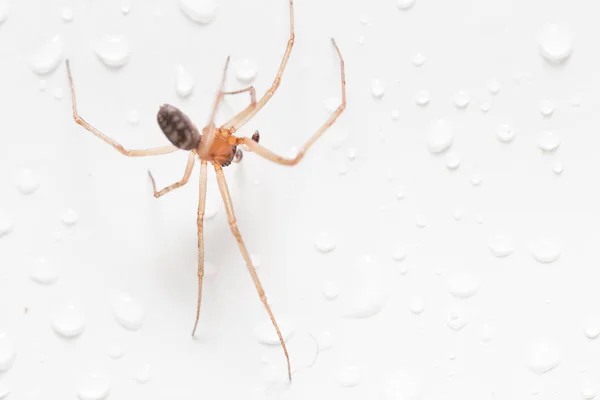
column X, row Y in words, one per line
column 186, row 175
column 248, row 89
column 201, row 207
column 269, row 155
column 244, row 116
column 232, row 223
column 130, row 153
column 208, row 138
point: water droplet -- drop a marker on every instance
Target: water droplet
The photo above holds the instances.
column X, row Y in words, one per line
column 452, row 161
column 331, row 291
column 351, row 153
column 27, row 181
column 543, row 356
column 401, row 386
column 545, row 250
column 361, row 40
column 399, row 253
column 462, row 100
column 400, row 194
column 246, row 71
column 128, row 312
column 457, row 215
column 266, row 333
column 325, row 341
column 476, row 179
column 463, row 285
column 58, row 93
column 588, row 392
column 48, row 56
column 555, row 43
column 8, row 355
column 113, row 51
column 494, row 86
column 43, row 85
column 417, row 306
column 419, row 59
column 405, row 4
column 70, row 217
column 115, row 352
column 349, row 376
column 422, row 98
column 201, row 11
column 546, row 108
column 67, row 14
column 420, row 221
column 69, row 321
column 144, row 374
column 6, row 224
column 456, row 319
column 395, row 114
column 501, row 246
column 558, row 168
column 549, row 141
column 592, row 329
column 439, row 136
column 4, row 388
column 574, row 101
column 4, row 10
column 184, row 83
column 125, row 7
column 377, row 88
column 43, row 271
column 133, row 117
column 367, row 304
column 94, row 386
column 324, row 242
column 505, row 133
column 479, row 218
column 487, row 333
column 485, row 106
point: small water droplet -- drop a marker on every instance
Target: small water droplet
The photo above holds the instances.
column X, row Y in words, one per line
column 558, row 168
column 555, row 43
column 115, row 352
column 133, row 117
column 201, row 11
column 549, row 141
column 367, row 304
column 543, row 356
column 420, row 221
column 505, row 133
column 266, row 333
column 462, row 100
column 4, row 387
column 494, row 86
column 592, row 329
column 476, row 179
column 351, row 153
column 27, row 181
column 324, row 242
column 456, row 319
column 70, row 217
column 184, row 82
column 58, row 93
column 588, row 392
column 43, row 85
column 419, row 59
column 246, row 70
column 331, row 291
column 128, row 312
column 113, row 51
column 422, row 98
column 439, row 136
column 463, row 285
column 485, row 106
column 546, row 108
column 8, row 355
column 545, row 250
column 400, row 194
column 6, row 224
column 457, row 215
column 399, row 253
column 487, row 333
column 325, row 340
column 44, row 272
column 479, row 218
column 395, row 114
column 452, row 161
column 67, row 14
column 417, row 306
column 69, row 321
column 501, row 246
column 401, row 385
column 377, row 88
column 405, row 4
column 144, row 374
column 125, row 7
column 48, row 56
column 349, row 376
column 574, row 101
column 94, row 386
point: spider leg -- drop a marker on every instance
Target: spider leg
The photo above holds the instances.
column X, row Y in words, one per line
column 209, row 136
column 234, row 229
column 130, row 153
column 186, row 175
column 248, row 89
column 201, row 207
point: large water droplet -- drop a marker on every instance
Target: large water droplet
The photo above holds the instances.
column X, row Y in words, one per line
column 6, row 224
column 246, row 70
column 266, row 334
column 144, row 374
column 377, row 88
column 462, row 100
column 349, row 376
column 69, row 321
column 439, row 136
column 501, row 246
column 48, row 56
column 456, row 319
column 463, row 285
column 8, row 355
column 545, row 250
column 324, row 242
column 405, row 4
column 505, row 133
column 201, row 11
column 128, row 312
column 549, row 141
column 401, row 385
column 367, row 304
column 94, row 386
column 27, row 181
column 544, row 355
column 113, row 51
column 184, row 84
column 44, row 272
column 555, row 43
column 588, row 392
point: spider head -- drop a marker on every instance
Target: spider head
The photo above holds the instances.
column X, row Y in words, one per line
column 178, row 127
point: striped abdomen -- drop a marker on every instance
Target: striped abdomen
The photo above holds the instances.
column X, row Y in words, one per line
column 178, row 127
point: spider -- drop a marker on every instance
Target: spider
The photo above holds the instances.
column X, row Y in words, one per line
column 220, row 147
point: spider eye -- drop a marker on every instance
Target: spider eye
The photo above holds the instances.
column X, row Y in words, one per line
column 178, row 127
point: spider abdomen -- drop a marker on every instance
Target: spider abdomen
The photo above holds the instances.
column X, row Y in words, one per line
column 178, row 127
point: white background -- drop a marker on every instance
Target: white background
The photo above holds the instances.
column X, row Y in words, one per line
column 126, row 241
